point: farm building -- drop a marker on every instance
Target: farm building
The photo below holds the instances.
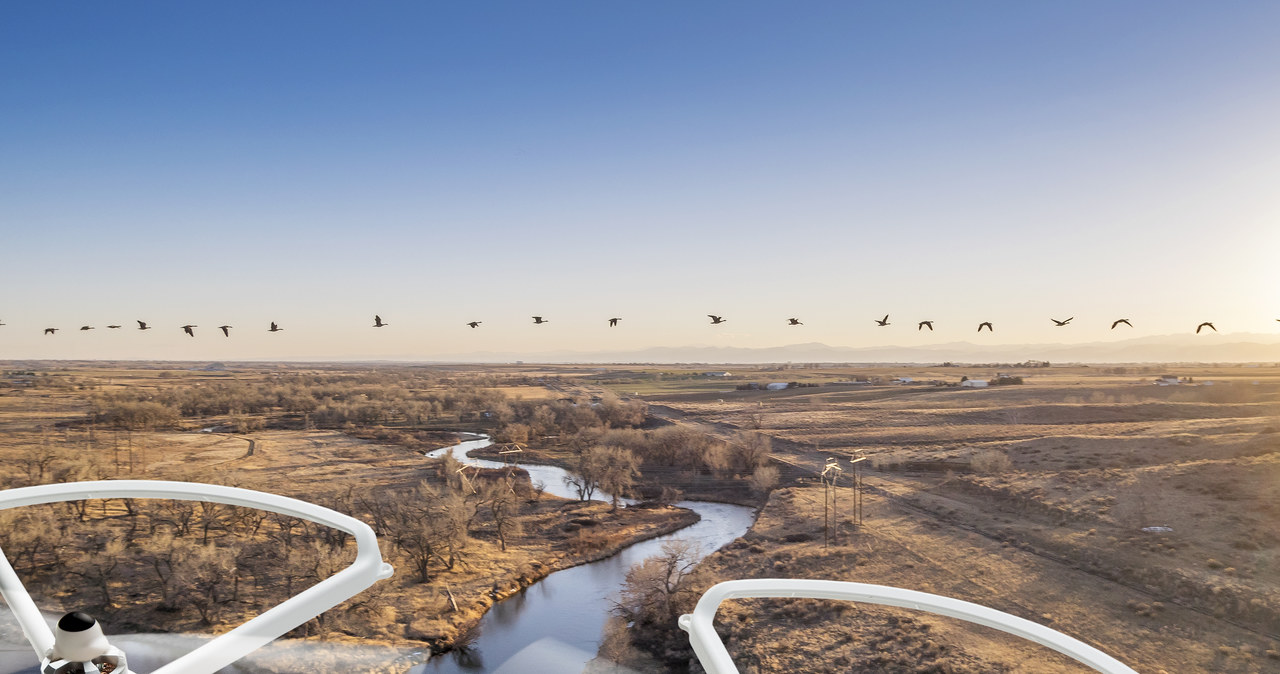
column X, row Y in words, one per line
column 974, row 383
column 777, row 386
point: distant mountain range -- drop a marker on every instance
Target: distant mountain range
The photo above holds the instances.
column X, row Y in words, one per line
column 1233, row 348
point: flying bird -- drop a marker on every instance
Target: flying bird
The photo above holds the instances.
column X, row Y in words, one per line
column 924, row 324
column 883, row 321
column 188, row 329
column 1119, row 321
column 114, row 327
column 1202, row 325
column 377, row 321
column 538, row 320
column 716, row 320
column 274, row 327
column 50, row 331
column 143, row 326
column 794, row 321
column 987, row 325
column 614, row 322
column 86, row 327
column 1, row 322
column 1062, row 323
column 475, row 324
column 226, row 330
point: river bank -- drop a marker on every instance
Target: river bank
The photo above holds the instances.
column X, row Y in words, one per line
column 476, row 591
column 562, row 617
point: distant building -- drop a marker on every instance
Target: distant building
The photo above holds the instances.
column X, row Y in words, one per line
column 777, row 386
column 1168, row 380
column 716, row 374
column 903, row 380
column 974, row 383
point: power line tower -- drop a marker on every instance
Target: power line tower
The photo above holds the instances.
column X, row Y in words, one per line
column 830, row 479
column 857, row 489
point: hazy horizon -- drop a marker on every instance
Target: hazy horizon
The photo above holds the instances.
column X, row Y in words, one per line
column 315, row 164
column 1238, row 349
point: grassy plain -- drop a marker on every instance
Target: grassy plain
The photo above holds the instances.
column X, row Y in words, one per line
column 1029, row 498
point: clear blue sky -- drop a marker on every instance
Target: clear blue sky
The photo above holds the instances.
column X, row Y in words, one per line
column 315, row 163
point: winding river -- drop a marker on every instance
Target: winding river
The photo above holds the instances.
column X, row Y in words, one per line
column 555, row 625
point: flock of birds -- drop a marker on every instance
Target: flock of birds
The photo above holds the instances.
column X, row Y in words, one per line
column 190, row 330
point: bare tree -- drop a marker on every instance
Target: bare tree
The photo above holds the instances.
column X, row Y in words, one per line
column 205, row 579
column 503, row 505
column 750, row 450
column 764, row 479
column 650, row 592
column 619, row 469
column 428, row 527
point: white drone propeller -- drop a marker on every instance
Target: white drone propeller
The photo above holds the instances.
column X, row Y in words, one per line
column 79, row 645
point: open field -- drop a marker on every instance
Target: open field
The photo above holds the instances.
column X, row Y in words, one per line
column 1028, row 498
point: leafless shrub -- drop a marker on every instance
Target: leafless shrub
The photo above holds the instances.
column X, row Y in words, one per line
column 764, row 479
column 991, row 462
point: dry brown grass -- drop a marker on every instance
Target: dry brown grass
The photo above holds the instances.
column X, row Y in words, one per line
column 1034, row 497
column 901, row 548
column 49, row 422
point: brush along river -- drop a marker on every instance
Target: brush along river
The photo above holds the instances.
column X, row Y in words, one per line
column 555, row 624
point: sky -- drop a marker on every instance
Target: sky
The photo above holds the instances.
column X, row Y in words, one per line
column 316, row 163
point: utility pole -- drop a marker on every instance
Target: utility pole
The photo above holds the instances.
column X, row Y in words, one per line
column 857, row 488
column 830, row 478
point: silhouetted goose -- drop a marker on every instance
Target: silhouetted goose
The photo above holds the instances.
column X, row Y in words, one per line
column 86, row 327
column 1205, row 324
column 475, row 324
column 794, row 321
column 377, row 321
column 716, row 320
column 50, row 331
column 883, row 321
column 613, row 322
column 189, row 330
column 1119, row 321
column 274, row 327
column 1062, row 323
column 226, row 330
column 925, row 324
column 987, row 325
column 113, row 327
column 538, row 320
column 143, row 326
